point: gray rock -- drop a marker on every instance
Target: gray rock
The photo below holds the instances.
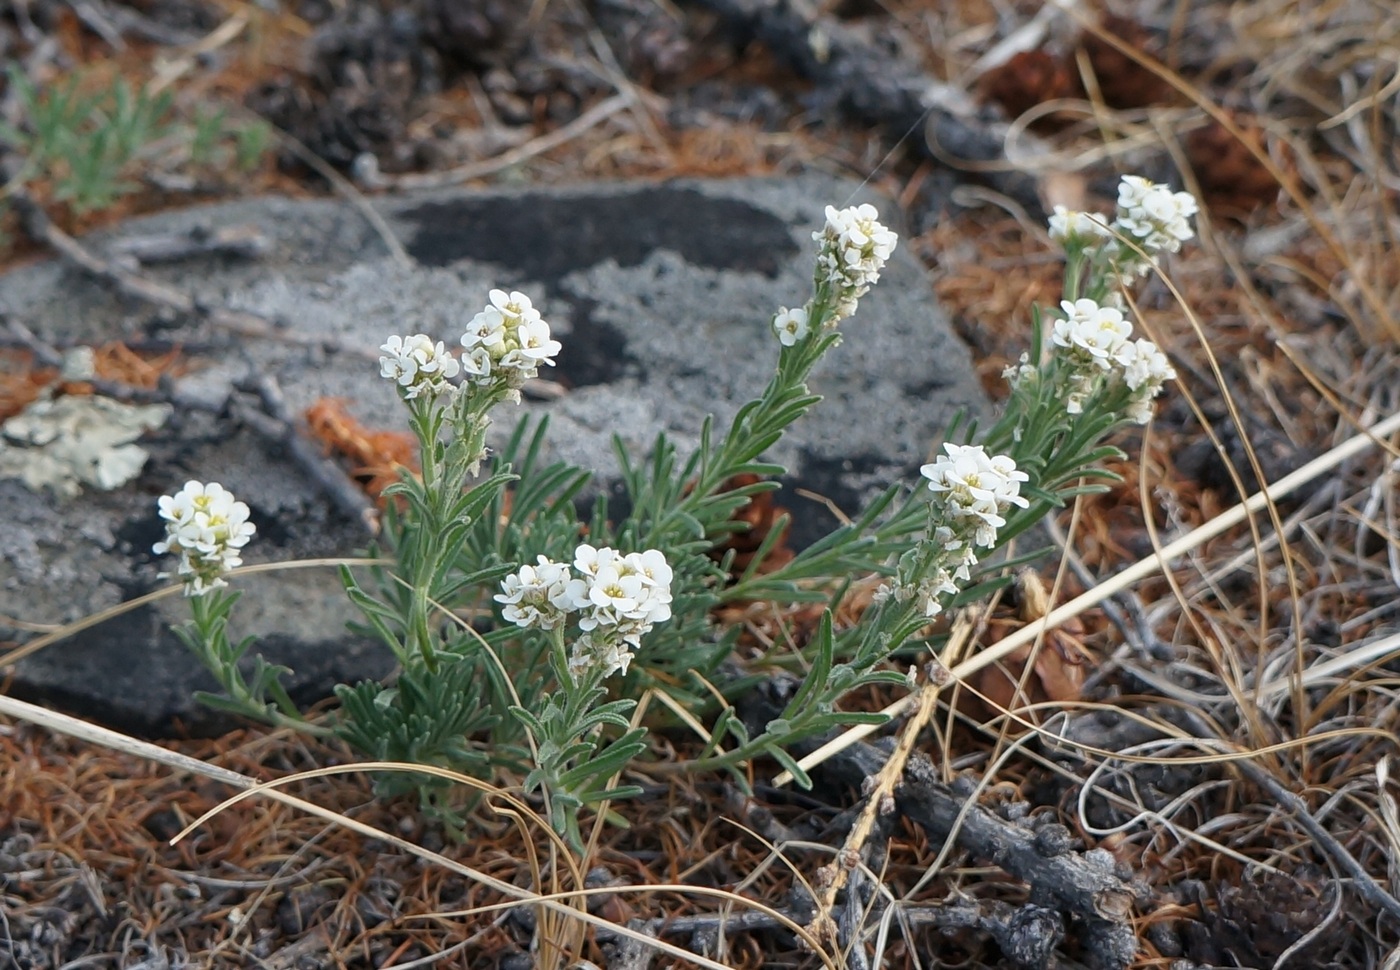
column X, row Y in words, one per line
column 660, row 294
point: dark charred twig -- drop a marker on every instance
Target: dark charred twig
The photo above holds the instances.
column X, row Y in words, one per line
column 1026, row 934
column 757, row 817
column 1369, row 888
column 850, row 917
column 274, row 422
column 631, row 953
column 1085, row 885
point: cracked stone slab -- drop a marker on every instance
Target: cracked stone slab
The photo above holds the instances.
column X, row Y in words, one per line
column 661, row 295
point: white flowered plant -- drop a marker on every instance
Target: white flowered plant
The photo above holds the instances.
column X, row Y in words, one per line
column 525, row 635
column 207, row 528
column 972, row 491
column 1156, row 218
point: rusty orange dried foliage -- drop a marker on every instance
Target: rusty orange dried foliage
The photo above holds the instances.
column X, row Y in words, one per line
column 761, row 516
column 118, row 362
column 378, row 457
column 21, row 382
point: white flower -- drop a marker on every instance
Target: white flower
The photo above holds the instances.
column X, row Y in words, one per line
column 1144, row 370
column 612, row 655
column 1096, row 334
column 975, row 488
column 618, row 600
column 653, row 567
column 588, row 560
column 616, row 591
column 790, row 325
column 1154, row 216
column 535, row 342
column 932, row 589
column 541, row 595
column 514, row 305
column 418, row 365
column 854, row 248
column 1144, row 365
column 486, row 330
column 626, row 596
column 206, row 528
column 1069, row 226
column 507, row 342
column 1020, row 372
column 971, row 478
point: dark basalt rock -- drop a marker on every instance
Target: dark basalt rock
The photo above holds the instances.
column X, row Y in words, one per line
column 660, row 294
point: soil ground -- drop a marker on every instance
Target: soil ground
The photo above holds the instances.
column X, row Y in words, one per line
column 1275, row 641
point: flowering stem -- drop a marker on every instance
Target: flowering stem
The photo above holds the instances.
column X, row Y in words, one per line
column 426, row 552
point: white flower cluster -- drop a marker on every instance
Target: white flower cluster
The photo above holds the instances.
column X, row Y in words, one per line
column 854, row 248
column 504, row 346
column 1151, row 216
column 617, row 597
column 1096, row 341
column 207, row 529
column 418, row 365
column 1070, row 227
column 974, row 491
column 506, row 343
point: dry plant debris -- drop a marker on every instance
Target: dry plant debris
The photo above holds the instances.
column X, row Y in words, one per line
column 1232, row 745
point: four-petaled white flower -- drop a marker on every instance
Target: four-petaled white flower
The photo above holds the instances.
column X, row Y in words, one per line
column 207, row 528
column 976, row 488
column 973, row 492
column 418, row 365
column 790, row 325
column 1099, row 352
column 1144, row 369
column 1144, row 365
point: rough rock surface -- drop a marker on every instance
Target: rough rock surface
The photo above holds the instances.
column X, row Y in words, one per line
column 659, row 293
